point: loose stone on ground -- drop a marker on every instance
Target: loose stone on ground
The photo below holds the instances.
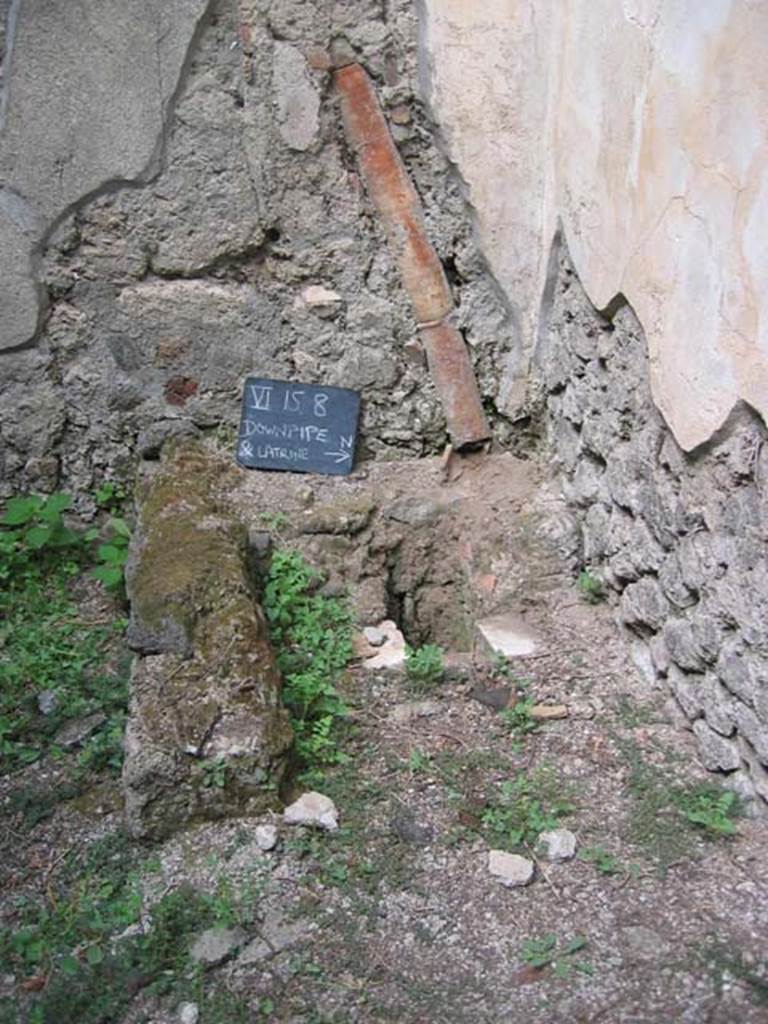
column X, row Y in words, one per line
column 215, row 945
column 313, row 809
column 266, row 837
column 511, row 869
column 557, row 845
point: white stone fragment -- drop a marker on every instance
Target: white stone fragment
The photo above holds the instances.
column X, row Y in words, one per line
column 266, row 837
column 511, row 869
column 319, row 295
column 508, row 635
column 189, row 1013
column 401, row 714
column 297, row 100
column 313, row 809
column 374, row 636
column 392, row 652
column 557, row 845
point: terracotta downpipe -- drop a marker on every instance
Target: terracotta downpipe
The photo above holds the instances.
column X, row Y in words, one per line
column 395, row 198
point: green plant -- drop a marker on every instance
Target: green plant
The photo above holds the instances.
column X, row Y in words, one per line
column 31, row 526
column 274, row 521
column 312, row 637
column 666, row 816
column 525, row 807
column 91, row 953
column 543, row 951
column 604, row 862
column 709, row 808
column 110, row 496
column 418, row 761
column 51, row 652
column 215, row 774
column 591, row 587
column 424, row 665
column 519, row 718
column 113, row 554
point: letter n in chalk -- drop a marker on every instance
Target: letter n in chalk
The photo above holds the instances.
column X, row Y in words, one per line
column 260, row 397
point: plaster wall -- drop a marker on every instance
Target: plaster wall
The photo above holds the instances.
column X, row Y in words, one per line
column 641, row 127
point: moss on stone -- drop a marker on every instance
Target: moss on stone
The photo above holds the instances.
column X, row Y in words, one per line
column 206, row 693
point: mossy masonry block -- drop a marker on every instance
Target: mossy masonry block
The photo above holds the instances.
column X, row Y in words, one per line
column 207, row 733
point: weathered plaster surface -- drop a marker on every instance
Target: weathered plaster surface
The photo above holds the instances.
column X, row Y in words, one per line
column 640, row 125
column 86, row 92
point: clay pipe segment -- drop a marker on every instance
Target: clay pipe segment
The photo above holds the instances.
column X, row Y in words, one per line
column 398, row 205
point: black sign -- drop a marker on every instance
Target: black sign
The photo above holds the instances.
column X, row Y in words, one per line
column 298, row 427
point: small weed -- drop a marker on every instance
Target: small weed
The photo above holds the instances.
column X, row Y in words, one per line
column 110, row 496
column 266, row 1006
column 37, row 803
column 113, row 554
column 424, row 666
column 666, row 816
column 501, row 667
column 604, row 862
column 215, row 774
column 591, row 587
column 418, row 761
column 709, row 808
column 312, row 636
column 544, row 951
column 274, row 521
column 519, row 719
column 526, row 807
column 31, row 525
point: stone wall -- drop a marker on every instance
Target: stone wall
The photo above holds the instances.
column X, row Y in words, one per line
column 678, row 539
column 229, row 234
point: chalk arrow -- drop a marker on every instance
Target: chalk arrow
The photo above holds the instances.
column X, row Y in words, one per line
column 339, row 456
column 345, row 452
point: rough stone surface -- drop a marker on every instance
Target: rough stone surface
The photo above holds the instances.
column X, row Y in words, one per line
column 205, row 689
column 266, row 837
column 507, row 635
column 215, row 945
column 391, row 653
column 313, row 809
column 678, row 539
column 717, row 753
column 73, row 733
column 374, row 636
column 559, row 844
column 276, row 934
column 511, row 869
column 401, row 714
column 189, row 1013
column 73, row 126
column 186, row 199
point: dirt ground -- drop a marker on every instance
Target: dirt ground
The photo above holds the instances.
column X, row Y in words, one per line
column 395, row 916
